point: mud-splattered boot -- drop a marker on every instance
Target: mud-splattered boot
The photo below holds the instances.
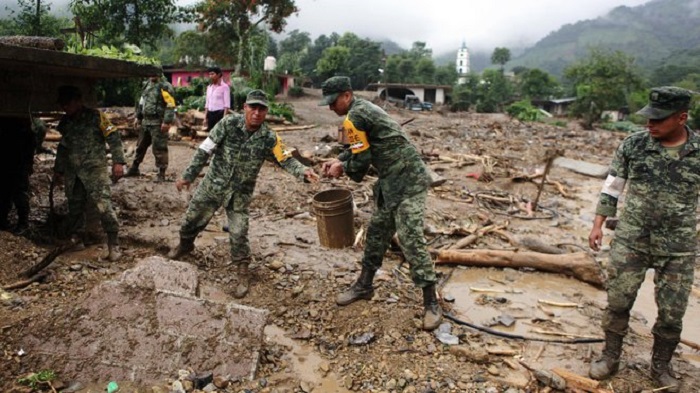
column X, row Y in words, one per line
column 113, row 252
column 183, row 248
column 661, row 370
column 133, row 171
column 432, row 313
column 243, row 281
column 161, row 175
column 360, row 289
column 609, row 363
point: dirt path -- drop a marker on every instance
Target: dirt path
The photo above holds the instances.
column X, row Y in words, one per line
column 308, row 345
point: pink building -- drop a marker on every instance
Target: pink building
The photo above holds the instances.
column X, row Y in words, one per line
column 180, row 77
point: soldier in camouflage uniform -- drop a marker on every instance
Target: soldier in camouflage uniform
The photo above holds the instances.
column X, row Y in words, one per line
column 155, row 113
column 240, row 145
column 661, row 168
column 376, row 139
column 81, row 163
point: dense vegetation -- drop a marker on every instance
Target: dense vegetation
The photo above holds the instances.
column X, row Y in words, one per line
column 606, row 63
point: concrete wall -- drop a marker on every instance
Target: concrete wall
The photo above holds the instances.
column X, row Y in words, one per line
column 420, row 93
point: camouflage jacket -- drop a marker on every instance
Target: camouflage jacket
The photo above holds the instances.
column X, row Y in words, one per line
column 238, row 157
column 82, row 148
column 157, row 104
column 378, row 140
column 662, row 194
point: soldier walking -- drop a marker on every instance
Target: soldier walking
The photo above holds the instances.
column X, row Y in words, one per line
column 155, row 113
column 661, row 169
column 81, row 163
column 376, row 139
column 242, row 143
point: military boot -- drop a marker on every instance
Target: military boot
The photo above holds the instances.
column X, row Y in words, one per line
column 360, row 289
column 133, row 171
column 161, row 175
column 243, row 281
column 432, row 313
column 113, row 252
column 609, row 363
column 183, row 248
column 661, row 371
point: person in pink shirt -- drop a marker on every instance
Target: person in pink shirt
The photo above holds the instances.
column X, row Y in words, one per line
column 218, row 100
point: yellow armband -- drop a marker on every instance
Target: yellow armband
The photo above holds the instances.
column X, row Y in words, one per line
column 106, row 126
column 280, row 151
column 356, row 138
column 169, row 100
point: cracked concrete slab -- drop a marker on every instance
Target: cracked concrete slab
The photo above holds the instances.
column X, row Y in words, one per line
column 149, row 323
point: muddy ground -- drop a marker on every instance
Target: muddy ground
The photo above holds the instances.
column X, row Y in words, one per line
column 309, row 340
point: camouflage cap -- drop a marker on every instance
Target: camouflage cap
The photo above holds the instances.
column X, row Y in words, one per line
column 257, row 97
column 665, row 101
column 332, row 87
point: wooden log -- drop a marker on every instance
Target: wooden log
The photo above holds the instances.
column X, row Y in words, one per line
column 25, row 283
column 52, row 137
column 576, row 381
column 292, row 128
column 691, row 344
column 538, row 246
column 579, row 265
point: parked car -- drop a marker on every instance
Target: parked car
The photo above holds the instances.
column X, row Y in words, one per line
column 412, row 102
column 427, row 106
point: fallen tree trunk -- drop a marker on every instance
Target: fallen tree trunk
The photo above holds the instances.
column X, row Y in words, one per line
column 580, row 265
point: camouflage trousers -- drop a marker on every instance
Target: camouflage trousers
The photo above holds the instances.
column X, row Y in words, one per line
column 15, row 191
column 94, row 190
column 673, row 281
column 406, row 220
column 151, row 134
column 201, row 210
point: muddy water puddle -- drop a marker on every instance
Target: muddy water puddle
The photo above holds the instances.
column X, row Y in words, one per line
column 531, row 301
column 307, row 365
column 536, row 302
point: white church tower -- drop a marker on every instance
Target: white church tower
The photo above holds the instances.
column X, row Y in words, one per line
column 462, row 63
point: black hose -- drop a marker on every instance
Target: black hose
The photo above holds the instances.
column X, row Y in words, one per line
column 519, row 337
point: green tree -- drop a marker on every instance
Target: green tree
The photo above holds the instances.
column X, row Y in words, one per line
column 535, row 83
column 446, row 75
column 191, row 48
column 407, row 67
column 314, row 54
column 494, row 91
column 425, row 70
column 32, row 18
column 466, row 94
column 291, row 51
column 365, row 60
column 603, row 80
column 139, row 22
column 419, row 50
column 333, row 62
column 234, row 22
column 391, row 70
column 500, row 56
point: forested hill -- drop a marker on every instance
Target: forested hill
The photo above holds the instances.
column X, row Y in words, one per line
column 650, row 33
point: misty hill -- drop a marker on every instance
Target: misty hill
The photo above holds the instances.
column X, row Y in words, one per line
column 650, row 33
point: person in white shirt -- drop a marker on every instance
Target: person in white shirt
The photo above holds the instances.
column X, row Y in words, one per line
column 218, row 100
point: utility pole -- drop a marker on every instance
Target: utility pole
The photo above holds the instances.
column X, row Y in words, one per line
column 37, row 19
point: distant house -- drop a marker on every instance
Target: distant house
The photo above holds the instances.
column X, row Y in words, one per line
column 180, row 77
column 435, row 94
column 557, row 107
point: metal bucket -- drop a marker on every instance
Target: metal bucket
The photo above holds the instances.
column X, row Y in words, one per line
column 334, row 218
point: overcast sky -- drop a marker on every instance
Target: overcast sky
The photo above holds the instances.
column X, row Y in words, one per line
column 444, row 24
column 441, row 24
